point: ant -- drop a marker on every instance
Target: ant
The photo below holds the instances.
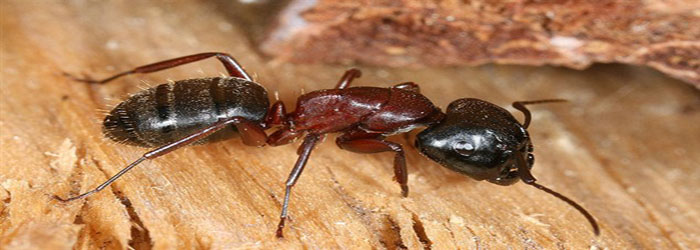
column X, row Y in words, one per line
column 474, row 137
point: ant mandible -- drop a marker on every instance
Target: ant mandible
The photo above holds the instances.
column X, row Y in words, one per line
column 474, row 137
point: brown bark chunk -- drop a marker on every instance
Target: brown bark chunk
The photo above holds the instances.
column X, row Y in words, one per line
column 661, row 34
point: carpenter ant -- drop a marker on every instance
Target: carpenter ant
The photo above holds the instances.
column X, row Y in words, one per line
column 473, row 137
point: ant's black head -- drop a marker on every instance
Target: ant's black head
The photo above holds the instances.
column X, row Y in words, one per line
column 486, row 142
column 478, row 139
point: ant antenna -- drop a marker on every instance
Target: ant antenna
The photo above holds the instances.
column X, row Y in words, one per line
column 521, row 106
column 527, row 177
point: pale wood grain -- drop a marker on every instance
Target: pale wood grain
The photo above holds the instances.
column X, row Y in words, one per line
column 625, row 147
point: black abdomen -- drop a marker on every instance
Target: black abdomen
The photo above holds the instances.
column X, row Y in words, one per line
column 171, row 111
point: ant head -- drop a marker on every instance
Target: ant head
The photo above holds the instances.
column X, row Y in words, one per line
column 478, row 139
column 486, row 142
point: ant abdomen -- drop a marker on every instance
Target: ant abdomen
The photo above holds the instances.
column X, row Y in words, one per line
column 171, row 111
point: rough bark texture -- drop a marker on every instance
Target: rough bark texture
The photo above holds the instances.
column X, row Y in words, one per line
column 664, row 34
column 625, row 147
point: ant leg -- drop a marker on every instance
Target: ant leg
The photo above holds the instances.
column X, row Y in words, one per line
column 360, row 142
column 246, row 127
column 231, row 65
column 252, row 134
column 304, row 153
column 521, row 106
column 410, row 86
column 347, row 78
column 283, row 137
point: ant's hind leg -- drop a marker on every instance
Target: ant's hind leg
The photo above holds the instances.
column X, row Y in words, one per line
column 232, row 67
column 360, row 142
column 251, row 134
column 347, row 78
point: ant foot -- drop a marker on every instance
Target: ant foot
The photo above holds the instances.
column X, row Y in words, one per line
column 85, row 78
column 60, row 199
column 280, row 229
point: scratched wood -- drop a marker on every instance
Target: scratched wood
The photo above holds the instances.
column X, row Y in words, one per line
column 626, row 147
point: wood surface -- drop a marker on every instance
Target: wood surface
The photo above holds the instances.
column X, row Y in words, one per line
column 626, row 147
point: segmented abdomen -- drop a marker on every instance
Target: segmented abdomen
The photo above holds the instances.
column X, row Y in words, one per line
column 171, row 111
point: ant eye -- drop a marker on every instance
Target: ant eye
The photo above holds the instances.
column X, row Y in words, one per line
column 463, row 148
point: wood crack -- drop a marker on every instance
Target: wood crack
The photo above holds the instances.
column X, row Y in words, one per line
column 80, row 155
column 4, row 211
column 140, row 236
column 420, row 231
column 392, row 233
column 477, row 240
column 357, row 207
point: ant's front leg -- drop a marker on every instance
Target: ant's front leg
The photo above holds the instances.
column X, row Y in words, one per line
column 232, row 67
column 304, row 152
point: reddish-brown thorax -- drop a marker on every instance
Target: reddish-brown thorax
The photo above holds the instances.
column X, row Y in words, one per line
column 375, row 110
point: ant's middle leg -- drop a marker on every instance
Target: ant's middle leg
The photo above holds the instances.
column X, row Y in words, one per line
column 347, row 78
column 363, row 142
column 231, row 65
column 251, row 133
